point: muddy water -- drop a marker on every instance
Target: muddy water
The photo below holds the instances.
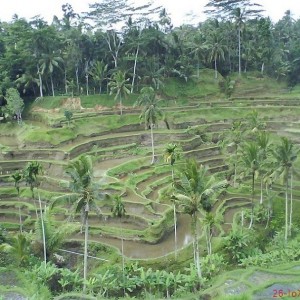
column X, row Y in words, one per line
column 139, row 250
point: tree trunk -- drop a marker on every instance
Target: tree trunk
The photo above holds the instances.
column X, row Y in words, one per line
column 261, row 191
column 40, row 81
column 286, row 211
column 77, row 79
column 43, row 230
column 175, row 230
column 196, row 246
column 123, row 263
column 291, row 204
column 216, row 71
column 239, row 38
column 87, row 84
column 134, row 68
column 152, row 143
column 52, row 86
column 20, row 219
column 252, row 201
column 86, row 235
column 66, row 84
column 262, row 68
column 121, row 106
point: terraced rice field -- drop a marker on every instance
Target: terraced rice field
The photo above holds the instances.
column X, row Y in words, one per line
column 123, row 164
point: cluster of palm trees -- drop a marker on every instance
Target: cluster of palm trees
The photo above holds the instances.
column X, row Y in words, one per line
column 252, row 156
column 255, row 157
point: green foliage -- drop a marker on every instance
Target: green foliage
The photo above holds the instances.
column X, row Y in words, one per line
column 15, row 104
column 289, row 253
column 56, row 279
column 68, row 114
column 227, row 86
column 238, row 245
column 213, row 265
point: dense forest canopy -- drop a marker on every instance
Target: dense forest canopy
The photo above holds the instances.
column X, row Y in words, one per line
column 80, row 53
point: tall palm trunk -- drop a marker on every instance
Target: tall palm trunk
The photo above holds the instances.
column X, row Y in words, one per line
column 86, row 235
column 20, row 220
column 87, row 84
column 286, row 210
column 134, row 68
column 252, row 201
column 43, row 229
column 40, row 81
column 196, row 246
column 152, row 143
column 216, row 71
column 175, row 230
column 52, row 85
column 121, row 105
column 123, row 262
column 239, row 38
column 175, row 218
column 77, row 79
column 261, row 191
column 291, row 204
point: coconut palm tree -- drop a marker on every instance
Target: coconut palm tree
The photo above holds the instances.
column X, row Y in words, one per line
column 48, row 62
column 83, row 198
column 30, row 174
column 264, row 144
column 170, row 156
column 233, row 140
column 18, row 247
column 251, row 160
column 119, row 85
column 192, row 191
column 210, row 221
column 118, row 210
column 285, row 155
column 17, row 177
column 150, row 113
column 98, row 72
column 217, row 50
column 54, row 236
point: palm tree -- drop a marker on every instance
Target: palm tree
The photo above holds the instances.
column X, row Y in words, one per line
column 30, row 174
column 251, row 160
column 170, row 156
column 193, row 190
column 217, row 50
column 17, row 177
column 120, row 87
column 18, row 248
column 210, row 220
column 84, row 197
column 98, row 72
column 234, row 139
column 285, row 155
column 150, row 112
column 118, row 210
column 54, row 236
column 48, row 62
column 263, row 142
column 27, row 81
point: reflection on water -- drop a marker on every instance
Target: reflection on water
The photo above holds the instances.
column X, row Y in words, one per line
column 187, row 239
column 138, row 250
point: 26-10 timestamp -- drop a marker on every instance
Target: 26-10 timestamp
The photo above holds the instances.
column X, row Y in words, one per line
column 281, row 293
